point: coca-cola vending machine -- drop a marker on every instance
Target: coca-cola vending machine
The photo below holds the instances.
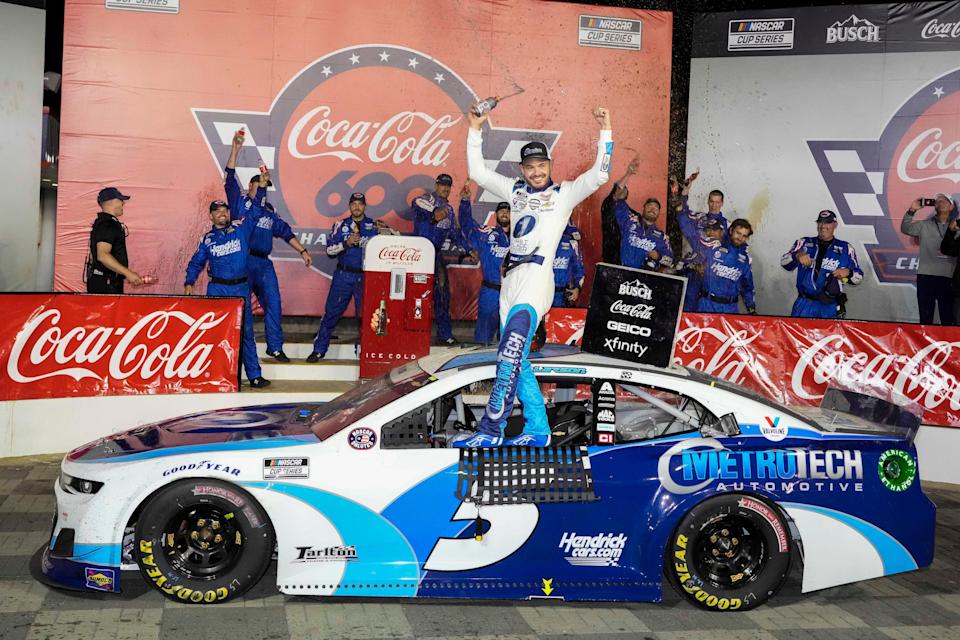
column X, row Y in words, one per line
column 397, row 302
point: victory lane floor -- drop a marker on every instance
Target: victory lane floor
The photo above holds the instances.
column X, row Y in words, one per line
column 920, row 605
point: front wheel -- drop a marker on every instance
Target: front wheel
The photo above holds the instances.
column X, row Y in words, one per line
column 729, row 553
column 203, row 541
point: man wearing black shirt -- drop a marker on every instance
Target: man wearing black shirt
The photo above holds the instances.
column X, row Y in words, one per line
column 107, row 262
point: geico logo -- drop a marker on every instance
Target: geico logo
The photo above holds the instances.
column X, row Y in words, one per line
column 632, row 329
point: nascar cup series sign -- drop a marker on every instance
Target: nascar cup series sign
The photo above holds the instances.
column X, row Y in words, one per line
column 634, row 314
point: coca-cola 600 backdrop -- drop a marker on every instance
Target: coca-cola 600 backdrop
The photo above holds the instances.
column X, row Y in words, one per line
column 338, row 97
column 853, row 108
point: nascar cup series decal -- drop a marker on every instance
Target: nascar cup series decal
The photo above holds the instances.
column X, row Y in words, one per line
column 897, row 469
column 362, row 438
column 692, row 465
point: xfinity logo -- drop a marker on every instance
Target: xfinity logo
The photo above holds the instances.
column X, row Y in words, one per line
column 853, row 29
column 936, row 29
column 616, row 344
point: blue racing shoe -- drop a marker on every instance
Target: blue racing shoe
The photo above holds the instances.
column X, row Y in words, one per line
column 528, row 440
column 476, row 440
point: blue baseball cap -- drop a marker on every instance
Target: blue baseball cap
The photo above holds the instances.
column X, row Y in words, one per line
column 503, row 205
column 110, row 193
column 444, row 178
column 218, row 204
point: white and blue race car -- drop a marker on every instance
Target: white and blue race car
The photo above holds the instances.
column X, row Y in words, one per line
column 654, row 472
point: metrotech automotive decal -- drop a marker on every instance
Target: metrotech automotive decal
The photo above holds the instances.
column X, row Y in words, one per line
column 873, row 182
column 692, row 465
column 320, row 145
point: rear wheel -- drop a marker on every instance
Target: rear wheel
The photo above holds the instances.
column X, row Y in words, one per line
column 729, row 553
column 203, row 541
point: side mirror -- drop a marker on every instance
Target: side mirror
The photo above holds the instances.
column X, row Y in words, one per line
column 725, row 427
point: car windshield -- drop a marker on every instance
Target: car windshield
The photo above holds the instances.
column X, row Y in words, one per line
column 366, row 398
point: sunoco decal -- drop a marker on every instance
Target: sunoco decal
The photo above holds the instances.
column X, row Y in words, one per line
column 693, row 465
column 99, row 579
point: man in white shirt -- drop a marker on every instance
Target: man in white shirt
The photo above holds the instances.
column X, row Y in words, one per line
column 539, row 212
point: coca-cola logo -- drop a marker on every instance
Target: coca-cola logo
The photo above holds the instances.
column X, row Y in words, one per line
column 873, row 182
column 937, row 29
column 324, row 123
column 406, row 255
column 639, row 310
column 46, row 348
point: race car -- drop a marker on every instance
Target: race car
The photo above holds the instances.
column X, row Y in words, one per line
column 653, row 473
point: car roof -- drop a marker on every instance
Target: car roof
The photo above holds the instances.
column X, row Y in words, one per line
column 550, row 353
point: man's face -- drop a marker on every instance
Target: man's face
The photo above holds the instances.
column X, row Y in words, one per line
column 943, row 206
column 714, row 204
column 739, row 236
column 536, row 171
column 113, row 207
column 714, row 234
column 443, row 190
column 503, row 217
column 825, row 230
column 357, row 207
column 220, row 217
column 651, row 211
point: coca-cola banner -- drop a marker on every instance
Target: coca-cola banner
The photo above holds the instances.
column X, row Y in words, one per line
column 63, row 345
column 793, row 360
column 337, row 97
column 878, row 131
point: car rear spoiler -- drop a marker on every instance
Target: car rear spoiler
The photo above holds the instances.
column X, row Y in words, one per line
column 901, row 420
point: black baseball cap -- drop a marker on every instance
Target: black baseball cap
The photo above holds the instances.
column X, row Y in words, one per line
column 256, row 176
column 358, row 197
column 826, row 216
column 502, row 205
column 217, row 204
column 110, row 193
column 444, row 178
column 712, row 224
column 533, row 150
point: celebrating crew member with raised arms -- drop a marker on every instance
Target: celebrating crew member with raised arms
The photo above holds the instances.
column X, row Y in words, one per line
column 823, row 264
column 267, row 226
column 492, row 244
column 568, row 269
column 727, row 268
column 225, row 248
column 539, row 212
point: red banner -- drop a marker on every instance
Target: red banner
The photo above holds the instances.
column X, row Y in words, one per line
column 794, row 360
column 62, row 345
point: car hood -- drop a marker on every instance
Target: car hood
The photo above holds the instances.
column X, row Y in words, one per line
column 267, row 426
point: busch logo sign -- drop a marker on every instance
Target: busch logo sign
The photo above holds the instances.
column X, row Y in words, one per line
column 322, row 123
column 872, row 182
column 853, row 29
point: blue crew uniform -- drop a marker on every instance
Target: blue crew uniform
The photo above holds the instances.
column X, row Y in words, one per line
column 638, row 238
column 492, row 243
column 347, row 280
column 727, row 275
column 443, row 234
column 818, row 291
column 691, row 225
column 226, row 251
column 568, row 267
column 262, row 275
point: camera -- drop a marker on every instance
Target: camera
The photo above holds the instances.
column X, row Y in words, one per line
column 927, row 202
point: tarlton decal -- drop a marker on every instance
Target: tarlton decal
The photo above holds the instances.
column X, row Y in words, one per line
column 202, row 465
column 601, row 550
column 692, row 465
column 326, row 554
column 897, row 469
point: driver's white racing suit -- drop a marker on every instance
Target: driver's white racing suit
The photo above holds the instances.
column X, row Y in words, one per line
column 537, row 222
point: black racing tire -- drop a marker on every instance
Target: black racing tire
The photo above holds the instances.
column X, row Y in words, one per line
column 729, row 553
column 203, row 541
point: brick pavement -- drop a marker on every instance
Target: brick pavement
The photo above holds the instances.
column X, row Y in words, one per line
column 921, row 605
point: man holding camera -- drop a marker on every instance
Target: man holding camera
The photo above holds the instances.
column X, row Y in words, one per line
column 935, row 272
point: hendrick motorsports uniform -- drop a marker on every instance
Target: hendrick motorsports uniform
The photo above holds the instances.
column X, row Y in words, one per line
column 638, row 239
column 819, row 293
column 263, row 277
column 727, row 275
column 691, row 225
column 440, row 234
column 347, row 279
column 568, row 270
column 226, row 252
column 492, row 243
column 538, row 220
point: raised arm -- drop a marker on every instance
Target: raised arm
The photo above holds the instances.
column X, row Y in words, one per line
column 500, row 186
column 599, row 173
